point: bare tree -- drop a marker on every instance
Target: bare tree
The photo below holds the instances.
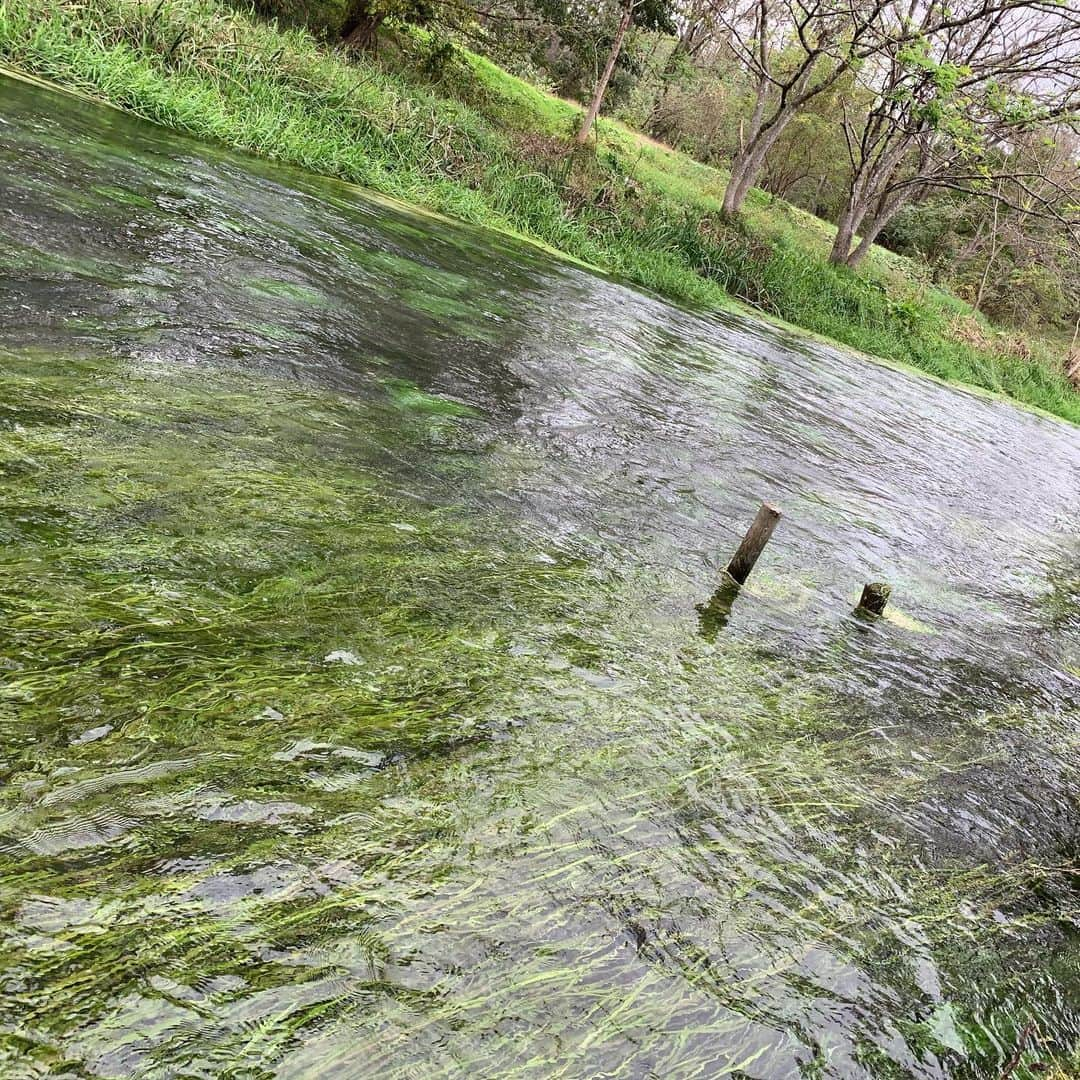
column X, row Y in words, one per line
column 593, row 110
column 1019, row 251
column 646, row 14
column 794, row 50
column 695, row 31
column 946, row 103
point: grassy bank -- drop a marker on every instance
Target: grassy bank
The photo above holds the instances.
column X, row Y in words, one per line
column 481, row 145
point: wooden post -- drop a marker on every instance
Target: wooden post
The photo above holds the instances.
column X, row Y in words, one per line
column 874, row 597
column 753, row 543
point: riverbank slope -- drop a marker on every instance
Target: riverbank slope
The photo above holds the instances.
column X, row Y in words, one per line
column 456, row 134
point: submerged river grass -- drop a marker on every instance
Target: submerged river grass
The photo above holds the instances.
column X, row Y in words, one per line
column 359, row 713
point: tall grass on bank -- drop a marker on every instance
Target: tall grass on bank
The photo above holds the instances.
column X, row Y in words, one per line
column 483, row 146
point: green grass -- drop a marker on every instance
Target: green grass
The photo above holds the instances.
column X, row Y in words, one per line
column 236, row 670
column 486, row 147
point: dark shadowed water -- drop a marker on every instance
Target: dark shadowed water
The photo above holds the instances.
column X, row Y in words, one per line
column 363, row 713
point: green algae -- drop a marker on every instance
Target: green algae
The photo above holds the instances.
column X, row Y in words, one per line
column 274, row 333
column 216, row 591
column 209, row 584
column 27, row 260
column 279, row 703
column 299, row 558
column 371, row 732
column 122, row 196
column 908, row 622
column 287, row 290
column 408, row 396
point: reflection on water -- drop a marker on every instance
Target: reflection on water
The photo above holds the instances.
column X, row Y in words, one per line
column 365, row 711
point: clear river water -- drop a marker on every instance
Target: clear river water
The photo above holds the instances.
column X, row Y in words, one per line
column 363, row 711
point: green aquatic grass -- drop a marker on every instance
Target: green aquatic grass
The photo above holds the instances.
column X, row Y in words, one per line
column 278, row 743
column 488, row 148
column 302, row 559
column 314, row 766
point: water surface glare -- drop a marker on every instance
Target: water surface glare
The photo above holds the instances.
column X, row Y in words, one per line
column 363, row 713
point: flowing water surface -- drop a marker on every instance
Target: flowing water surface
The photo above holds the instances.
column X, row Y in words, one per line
column 364, row 712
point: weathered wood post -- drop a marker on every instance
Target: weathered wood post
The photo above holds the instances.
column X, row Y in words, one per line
column 753, row 543
column 874, row 597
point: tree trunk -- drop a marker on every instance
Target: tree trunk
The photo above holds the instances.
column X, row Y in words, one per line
column 741, row 166
column 750, row 160
column 870, row 196
column 869, row 227
column 866, row 241
column 361, row 27
column 605, row 76
column 851, row 218
column 747, row 166
column 732, row 204
column 845, row 233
